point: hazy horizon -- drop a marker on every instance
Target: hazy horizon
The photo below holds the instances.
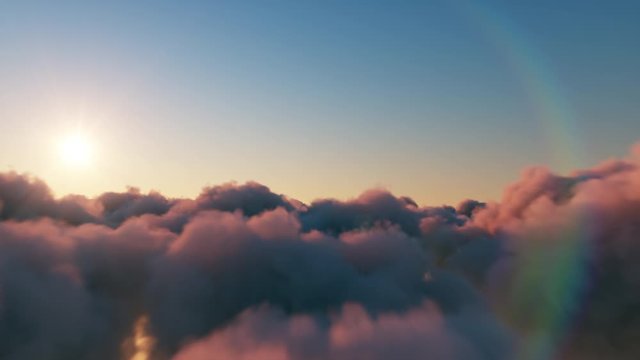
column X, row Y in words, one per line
column 192, row 194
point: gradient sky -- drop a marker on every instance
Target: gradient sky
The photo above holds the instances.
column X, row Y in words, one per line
column 437, row 100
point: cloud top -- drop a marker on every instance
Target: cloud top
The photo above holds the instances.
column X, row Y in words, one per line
column 549, row 271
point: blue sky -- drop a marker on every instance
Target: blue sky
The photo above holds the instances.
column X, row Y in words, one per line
column 438, row 100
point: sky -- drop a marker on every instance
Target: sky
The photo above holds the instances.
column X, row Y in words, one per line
column 316, row 98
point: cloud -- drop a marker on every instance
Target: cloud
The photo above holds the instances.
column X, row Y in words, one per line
column 224, row 263
column 549, row 271
column 70, row 293
column 118, row 207
column 23, row 197
column 251, row 198
column 348, row 333
column 374, row 207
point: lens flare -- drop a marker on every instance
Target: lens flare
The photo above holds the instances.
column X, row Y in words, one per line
column 141, row 343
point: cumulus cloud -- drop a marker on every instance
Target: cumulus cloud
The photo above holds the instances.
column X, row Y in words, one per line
column 549, row 271
column 23, row 197
column 348, row 333
column 374, row 207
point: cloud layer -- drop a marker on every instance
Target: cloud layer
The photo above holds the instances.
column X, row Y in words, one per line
column 551, row 271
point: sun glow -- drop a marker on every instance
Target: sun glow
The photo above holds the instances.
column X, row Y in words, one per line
column 75, row 150
column 140, row 345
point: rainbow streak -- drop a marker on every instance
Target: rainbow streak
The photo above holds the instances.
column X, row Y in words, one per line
column 539, row 81
column 548, row 287
column 551, row 275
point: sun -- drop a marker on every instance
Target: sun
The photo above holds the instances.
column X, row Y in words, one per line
column 75, row 150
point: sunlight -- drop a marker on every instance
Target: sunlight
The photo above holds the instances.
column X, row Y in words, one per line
column 75, row 150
